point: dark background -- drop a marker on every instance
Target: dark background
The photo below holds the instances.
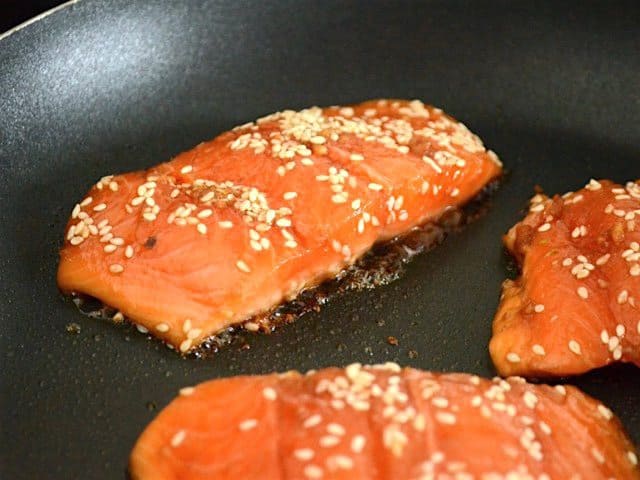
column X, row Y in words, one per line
column 14, row 12
column 113, row 85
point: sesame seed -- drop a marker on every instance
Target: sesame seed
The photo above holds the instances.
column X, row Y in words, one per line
column 207, row 212
column 187, row 391
column 248, row 424
column 605, row 412
column 575, row 347
column 86, row 201
column 303, row 454
column 116, row 268
column 530, row 399
column 513, row 357
column 617, row 353
column 243, row 266
column 313, row 472
column 583, row 293
column 538, row 349
column 544, row 227
column 185, row 345
column 290, row 195
column 128, row 252
column 560, row 389
column 329, row 441
column 178, row 438
column 445, row 418
column 269, row 393
column 357, row 443
column 597, row 454
column 356, row 157
column 194, row 333
column 100, row 207
column 202, row 228
column 76, row 240
column 226, row 224
column 376, row 187
column 109, row 248
column 623, row 296
column 539, row 308
column 340, row 462
column 312, row 421
column 186, row 169
column 162, row 327
column 116, row 241
column 633, row 458
column 336, row 429
column 634, row 271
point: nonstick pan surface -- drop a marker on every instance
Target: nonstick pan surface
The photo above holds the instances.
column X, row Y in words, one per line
column 107, row 86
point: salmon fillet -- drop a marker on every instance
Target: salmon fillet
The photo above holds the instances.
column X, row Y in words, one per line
column 382, row 422
column 577, row 304
column 234, row 227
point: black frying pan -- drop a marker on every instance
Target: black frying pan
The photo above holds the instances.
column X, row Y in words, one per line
column 107, row 86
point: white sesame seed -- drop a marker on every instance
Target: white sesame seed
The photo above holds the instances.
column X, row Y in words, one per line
column 617, row 353
column 375, row 187
column 269, row 393
column 109, row 248
column 623, row 296
column 357, row 443
column 162, row 327
column 202, row 228
column 207, row 212
column 560, row 389
column 633, row 458
column 128, row 251
column 116, row 268
column 445, row 418
column 185, row 345
column 583, row 293
column 575, row 347
column 100, row 207
column 226, row 224
column 187, row 391
column 194, row 333
column 86, row 201
column 186, row 169
column 178, row 438
column 513, row 357
column 328, row 441
column 312, row 421
column 76, row 240
column 538, row 349
column 248, row 424
column 544, row 227
column 605, row 412
column 530, row 399
column 303, row 454
column 539, row 308
column 243, row 266
column 289, row 195
column 313, row 472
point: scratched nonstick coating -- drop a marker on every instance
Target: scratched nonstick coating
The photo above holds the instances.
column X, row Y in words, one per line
column 106, row 86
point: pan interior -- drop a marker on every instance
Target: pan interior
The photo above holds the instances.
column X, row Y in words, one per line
column 108, row 86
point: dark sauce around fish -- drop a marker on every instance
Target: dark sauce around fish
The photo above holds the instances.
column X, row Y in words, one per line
column 381, row 265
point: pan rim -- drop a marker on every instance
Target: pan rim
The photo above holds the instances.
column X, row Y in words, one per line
column 37, row 18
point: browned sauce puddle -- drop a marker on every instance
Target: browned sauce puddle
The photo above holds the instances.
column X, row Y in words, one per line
column 381, row 265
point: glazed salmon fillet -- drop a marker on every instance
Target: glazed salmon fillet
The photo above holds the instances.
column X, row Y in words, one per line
column 239, row 224
column 577, row 304
column 382, row 422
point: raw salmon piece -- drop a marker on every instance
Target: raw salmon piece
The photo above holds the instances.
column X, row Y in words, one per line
column 382, row 422
column 577, row 304
column 234, row 227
